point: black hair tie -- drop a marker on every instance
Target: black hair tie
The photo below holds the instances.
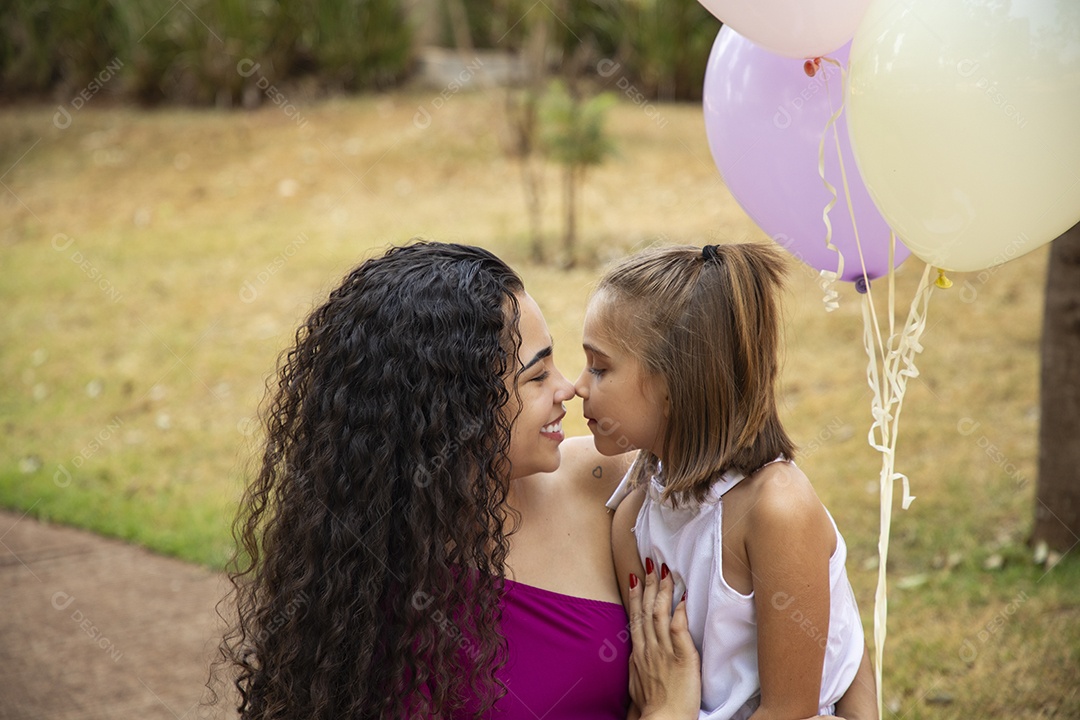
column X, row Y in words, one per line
column 709, row 252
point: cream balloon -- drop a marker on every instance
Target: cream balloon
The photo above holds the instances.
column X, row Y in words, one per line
column 964, row 119
column 792, row 28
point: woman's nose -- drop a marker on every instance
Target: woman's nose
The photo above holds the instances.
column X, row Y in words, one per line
column 565, row 390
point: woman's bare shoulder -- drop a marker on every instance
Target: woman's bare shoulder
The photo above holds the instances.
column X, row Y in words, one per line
column 588, row 471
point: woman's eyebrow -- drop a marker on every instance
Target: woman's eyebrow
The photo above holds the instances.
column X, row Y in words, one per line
column 540, row 355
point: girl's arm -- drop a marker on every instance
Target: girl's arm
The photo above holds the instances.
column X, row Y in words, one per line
column 860, row 700
column 788, row 545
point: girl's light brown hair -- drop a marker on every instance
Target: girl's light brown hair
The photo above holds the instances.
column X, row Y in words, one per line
column 709, row 325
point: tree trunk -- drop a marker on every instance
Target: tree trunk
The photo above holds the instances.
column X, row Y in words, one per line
column 532, row 179
column 535, row 53
column 1057, row 496
column 459, row 25
column 570, row 236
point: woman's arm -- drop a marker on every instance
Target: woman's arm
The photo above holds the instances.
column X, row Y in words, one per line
column 624, row 543
column 627, row 562
column 665, row 666
column 665, row 669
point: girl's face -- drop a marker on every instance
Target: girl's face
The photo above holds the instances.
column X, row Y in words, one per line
column 537, row 394
column 626, row 406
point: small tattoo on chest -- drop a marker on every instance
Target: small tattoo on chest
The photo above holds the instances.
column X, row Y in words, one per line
column 598, row 471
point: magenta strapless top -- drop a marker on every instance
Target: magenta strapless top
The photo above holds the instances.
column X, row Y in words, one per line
column 568, row 657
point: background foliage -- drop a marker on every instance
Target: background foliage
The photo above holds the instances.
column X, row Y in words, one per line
column 187, row 53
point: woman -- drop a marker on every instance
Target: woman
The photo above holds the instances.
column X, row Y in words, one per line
column 416, row 544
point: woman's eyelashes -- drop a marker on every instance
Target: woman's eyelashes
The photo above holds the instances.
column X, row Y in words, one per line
column 541, row 377
column 596, row 372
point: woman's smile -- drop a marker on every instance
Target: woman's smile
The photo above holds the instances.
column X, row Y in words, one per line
column 553, row 430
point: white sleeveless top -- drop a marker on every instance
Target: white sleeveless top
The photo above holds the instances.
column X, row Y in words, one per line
column 722, row 620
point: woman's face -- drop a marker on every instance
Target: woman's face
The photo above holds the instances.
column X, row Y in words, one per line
column 537, row 393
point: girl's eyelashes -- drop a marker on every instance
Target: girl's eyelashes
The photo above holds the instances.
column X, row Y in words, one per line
column 597, row 372
column 541, row 377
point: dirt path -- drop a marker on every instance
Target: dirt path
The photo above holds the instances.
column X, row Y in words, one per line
column 96, row 628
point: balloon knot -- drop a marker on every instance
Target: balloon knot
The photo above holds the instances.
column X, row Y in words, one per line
column 810, row 67
column 862, row 284
column 942, row 282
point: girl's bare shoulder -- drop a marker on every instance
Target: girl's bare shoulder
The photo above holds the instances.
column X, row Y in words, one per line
column 781, row 492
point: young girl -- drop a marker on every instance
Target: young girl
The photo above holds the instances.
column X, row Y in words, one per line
column 682, row 349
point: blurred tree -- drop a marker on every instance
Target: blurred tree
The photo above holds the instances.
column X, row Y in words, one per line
column 671, row 41
column 189, row 52
column 566, row 40
column 356, row 44
column 1057, row 494
column 523, row 115
column 575, row 137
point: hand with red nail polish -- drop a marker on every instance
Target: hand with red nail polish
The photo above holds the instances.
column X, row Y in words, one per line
column 665, row 668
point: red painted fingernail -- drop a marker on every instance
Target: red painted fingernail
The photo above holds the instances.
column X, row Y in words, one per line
column 633, row 581
column 648, row 566
column 683, row 597
column 664, row 572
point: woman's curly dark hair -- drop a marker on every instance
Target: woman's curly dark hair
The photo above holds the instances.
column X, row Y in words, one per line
column 371, row 545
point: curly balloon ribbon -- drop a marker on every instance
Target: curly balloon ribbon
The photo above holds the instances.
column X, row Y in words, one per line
column 888, row 387
column 827, row 282
column 827, row 279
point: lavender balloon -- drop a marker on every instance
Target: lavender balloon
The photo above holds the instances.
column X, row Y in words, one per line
column 764, row 118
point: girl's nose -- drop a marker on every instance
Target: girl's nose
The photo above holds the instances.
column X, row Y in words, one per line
column 581, row 387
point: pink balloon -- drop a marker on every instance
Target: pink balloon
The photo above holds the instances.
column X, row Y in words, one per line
column 764, row 118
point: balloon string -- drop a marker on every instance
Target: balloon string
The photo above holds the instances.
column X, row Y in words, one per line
column 840, row 156
column 847, row 195
column 827, row 279
column 888, row 387
column 892, row 282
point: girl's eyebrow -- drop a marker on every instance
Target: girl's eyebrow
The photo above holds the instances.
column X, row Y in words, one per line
column 594, row 351
column 540, row 355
